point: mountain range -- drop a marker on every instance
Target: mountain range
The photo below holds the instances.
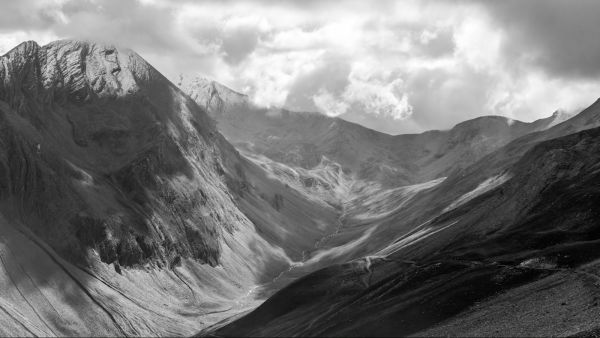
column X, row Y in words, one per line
column 304, row 138
column 133, row 206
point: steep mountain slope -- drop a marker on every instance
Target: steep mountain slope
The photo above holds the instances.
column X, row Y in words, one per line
column 302, row 139
column 534, row 228
column 122, row 207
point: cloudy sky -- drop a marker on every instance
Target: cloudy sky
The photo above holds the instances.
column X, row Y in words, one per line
column 395, row 66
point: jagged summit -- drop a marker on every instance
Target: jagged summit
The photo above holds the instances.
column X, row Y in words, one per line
column 78, row 69
column 214, row 97
column 87, row 79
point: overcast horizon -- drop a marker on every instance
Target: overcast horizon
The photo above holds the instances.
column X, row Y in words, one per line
column 393, row 66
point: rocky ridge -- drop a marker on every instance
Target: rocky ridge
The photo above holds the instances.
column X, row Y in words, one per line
column 303, row 138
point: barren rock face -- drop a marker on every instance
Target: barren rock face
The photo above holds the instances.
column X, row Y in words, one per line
column 99, row 151
column 73, row 69
column 215, row 98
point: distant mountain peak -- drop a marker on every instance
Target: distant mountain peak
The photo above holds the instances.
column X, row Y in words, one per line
column 302, row 139
column 557, row 117
column 214, row 97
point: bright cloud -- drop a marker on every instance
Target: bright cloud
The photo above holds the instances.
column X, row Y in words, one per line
column 378, row 97
column 330, row 105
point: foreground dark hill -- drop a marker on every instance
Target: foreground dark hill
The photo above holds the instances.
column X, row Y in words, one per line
column 516, row 255
column 302, row 139
column 123, row 211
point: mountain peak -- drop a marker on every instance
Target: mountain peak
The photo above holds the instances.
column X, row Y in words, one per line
column 214, row 97
column 76, row 69
column 25, row 47
column 557, row 117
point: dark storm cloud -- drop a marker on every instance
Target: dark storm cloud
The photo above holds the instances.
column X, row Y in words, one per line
column 458, row 96
column 439, row 45
column 301, row 4
column 560, row 36
column 129, row 22
column 425, row 40
column 331, row 75
column 26, row 13
column 239, row 43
